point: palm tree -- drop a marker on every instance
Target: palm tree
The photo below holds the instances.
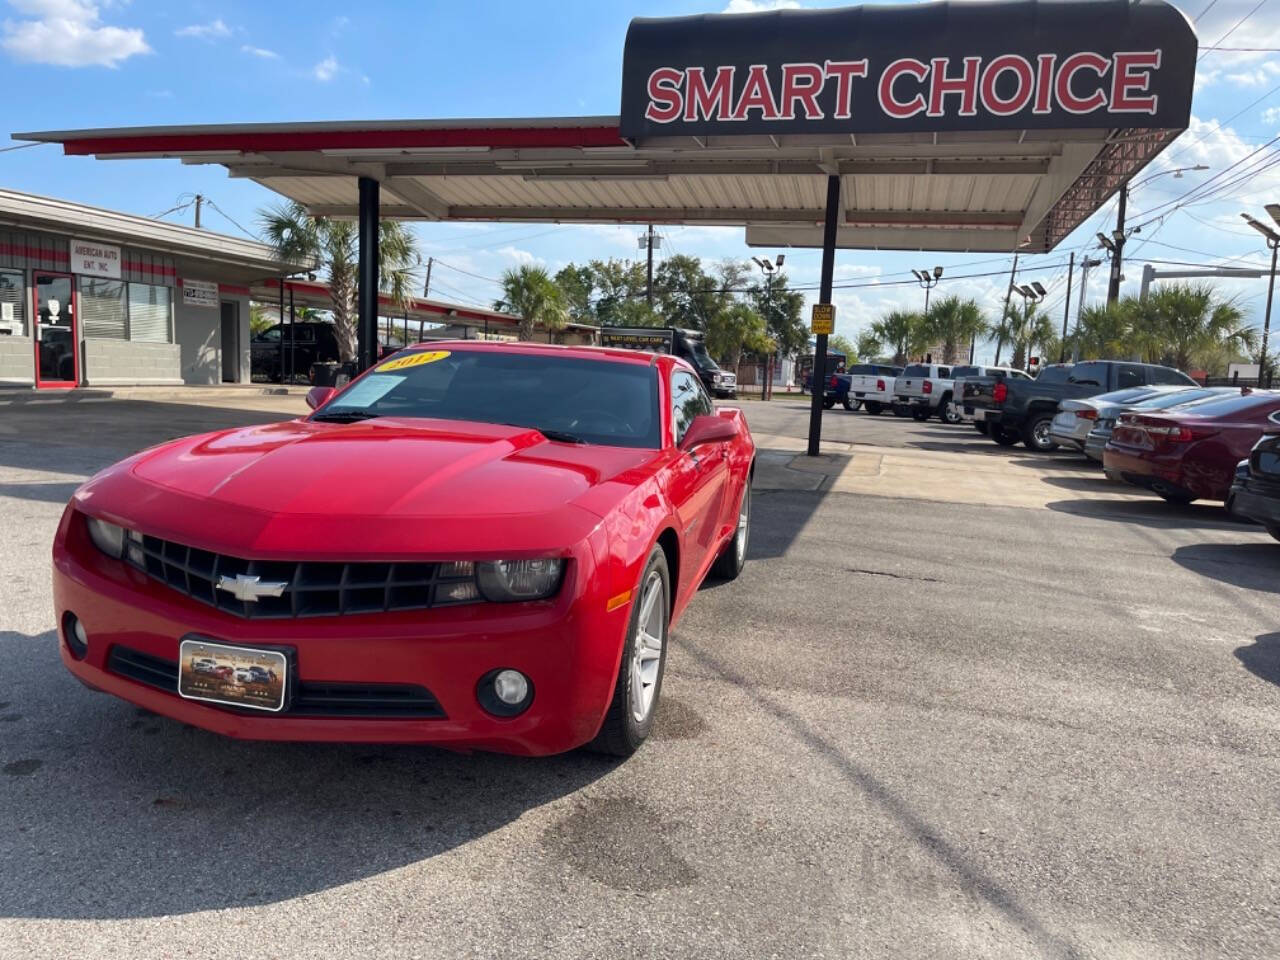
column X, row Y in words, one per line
column 1033, row 329
column 1176, row 321
column 531, row 294
column 332, row 245
column 951, row 322
column 900, row 330
column 1005, row 330
column 1103, row 332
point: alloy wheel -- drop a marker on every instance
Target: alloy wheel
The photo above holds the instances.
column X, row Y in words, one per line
column 646, row 652
column 744, row 526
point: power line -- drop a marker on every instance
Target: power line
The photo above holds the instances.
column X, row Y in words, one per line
column 1221, row 125
column 441, row 263
column 234, row 223
column 1204, row 11
column 1232, row 30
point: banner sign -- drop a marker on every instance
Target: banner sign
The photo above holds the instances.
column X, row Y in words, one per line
column 950, row 66
column 92, row 259
column 199, row 293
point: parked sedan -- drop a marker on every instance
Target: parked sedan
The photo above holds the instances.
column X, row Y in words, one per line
column 1076, row 417
column 1256, row 492
column 1097, row 439
column 1185, row 455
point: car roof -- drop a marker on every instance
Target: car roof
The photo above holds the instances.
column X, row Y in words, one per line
column 607, row 354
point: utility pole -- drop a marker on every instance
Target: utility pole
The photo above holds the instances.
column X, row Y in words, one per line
column 1007, row 294
column 1117, row 247
column 648, row 282
column 426, row 286
column 1066, row 310
column 199, row 204
column 1273, row 243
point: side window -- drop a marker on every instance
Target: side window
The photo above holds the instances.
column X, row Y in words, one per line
column 688, row 400
column 1169, row 375
column 944, row 373
column 1131, row 375
column 1089, row 374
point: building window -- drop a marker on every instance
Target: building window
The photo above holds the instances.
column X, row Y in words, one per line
column 13, row 304
column 150, row 313
column 102, row 308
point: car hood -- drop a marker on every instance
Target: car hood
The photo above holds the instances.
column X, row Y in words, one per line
column 375, row 486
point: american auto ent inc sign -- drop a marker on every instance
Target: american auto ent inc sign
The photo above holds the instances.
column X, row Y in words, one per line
column 90, row 258
column 929, row 67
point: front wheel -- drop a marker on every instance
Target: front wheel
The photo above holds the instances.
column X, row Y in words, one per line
column 1003, row 435
column 947, row 412
column 851, row 405
column 644, row 655
column 734, row 555
column 872, row 407
column 981, row 426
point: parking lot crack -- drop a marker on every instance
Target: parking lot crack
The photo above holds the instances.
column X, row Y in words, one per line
column 891, row 575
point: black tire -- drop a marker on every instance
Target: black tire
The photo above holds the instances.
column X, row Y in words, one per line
column 734, row 555
column 851, row 405
column 981, row 426
column 1176, row 498
column 621, row 733
column 1003, row 435
column 828, row 403
column 873, row 407
column 1035, row 433
column 919, row 416
column 946, row 413
column 1274, row 530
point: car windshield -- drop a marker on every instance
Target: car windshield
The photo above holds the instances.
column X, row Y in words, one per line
column 1177, row 398
column 958, row 372
column 1054, row 374
column 575, row 398
column 1233, row 403
column 701, row 359
column 1124, row 396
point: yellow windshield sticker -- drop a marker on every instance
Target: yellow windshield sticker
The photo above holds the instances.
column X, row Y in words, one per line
column 415, row 359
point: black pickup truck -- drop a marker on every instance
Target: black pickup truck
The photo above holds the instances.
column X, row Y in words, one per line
column 1023, row 409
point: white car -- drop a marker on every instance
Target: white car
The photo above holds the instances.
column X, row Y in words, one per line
column 872, row 384
column 962, row 414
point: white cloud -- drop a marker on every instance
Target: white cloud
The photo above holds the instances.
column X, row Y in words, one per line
column 1265, row 73
column 1271, row 115
column 523, row 257
column 213, row 30
column 326, row 69
column 759, row 6
column 262, row 52
column 68, row 33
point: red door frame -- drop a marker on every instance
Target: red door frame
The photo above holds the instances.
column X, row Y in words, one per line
column 75, row 331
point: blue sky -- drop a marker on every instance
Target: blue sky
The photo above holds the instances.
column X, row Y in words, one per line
column 114, row 63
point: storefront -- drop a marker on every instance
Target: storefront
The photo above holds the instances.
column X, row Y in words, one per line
column 92, row 297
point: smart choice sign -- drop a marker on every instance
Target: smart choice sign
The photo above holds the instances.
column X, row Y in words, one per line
column 929, row 67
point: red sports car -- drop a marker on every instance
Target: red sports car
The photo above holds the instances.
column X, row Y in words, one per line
column 1190, row 454
column 476, row 545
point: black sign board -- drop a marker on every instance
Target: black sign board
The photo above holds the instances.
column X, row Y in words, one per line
column 979, row 66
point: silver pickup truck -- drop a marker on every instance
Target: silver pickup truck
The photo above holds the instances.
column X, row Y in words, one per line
column 925, row 389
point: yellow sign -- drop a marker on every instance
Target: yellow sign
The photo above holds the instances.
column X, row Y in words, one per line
column 415, row 359
column 823, row 319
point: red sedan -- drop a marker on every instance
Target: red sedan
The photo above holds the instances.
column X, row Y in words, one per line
column 476, row 545
column 1190, row 454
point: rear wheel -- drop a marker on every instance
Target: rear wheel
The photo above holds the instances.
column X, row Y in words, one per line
column 851, row 405
column 873, row 407
column 981, row 426
column 1003, row 435
column 947, row 412
column 920, row 416
column 828, row 403
column 1036, row 435
column 644, row 655
column 1176, row 497
column 734, row 555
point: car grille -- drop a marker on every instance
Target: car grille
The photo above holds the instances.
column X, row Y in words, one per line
column 313, row 589
column 368, row 700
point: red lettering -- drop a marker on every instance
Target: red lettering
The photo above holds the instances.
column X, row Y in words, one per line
column 966, row 85
column 708, row 103
column 1044, row 83
column 664, row 95
column 806, row 93
column 844, row 71
column 1067, row 98
column 888, row 102
column 1124, row 82
column 757, row 95
column 1009, row 63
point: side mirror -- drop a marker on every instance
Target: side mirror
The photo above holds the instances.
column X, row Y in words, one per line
column 708, row 428
column 317, row 397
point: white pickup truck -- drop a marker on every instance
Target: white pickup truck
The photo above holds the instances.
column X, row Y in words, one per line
column 925, row 389
column 872, row 385
column 958, row 376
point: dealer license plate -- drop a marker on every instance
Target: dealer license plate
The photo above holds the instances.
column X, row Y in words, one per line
column 235, row 676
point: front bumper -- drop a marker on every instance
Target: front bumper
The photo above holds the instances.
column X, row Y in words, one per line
column 1261, row 506
column 569, row 647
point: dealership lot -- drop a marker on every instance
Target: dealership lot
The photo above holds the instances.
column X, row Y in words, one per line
column 963, row 702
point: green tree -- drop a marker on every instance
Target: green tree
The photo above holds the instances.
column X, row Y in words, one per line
column 332, row 245
column 1032, row 331
column 686, row 296
column 783, row 312
column 577, row 284
column 1176, row 321
column 901, row 330
column 1102, row 333
column 953, row 322
column 843, row 344
column 868, row 346
column 616, row 283
column 736, row 328
column 531, row 294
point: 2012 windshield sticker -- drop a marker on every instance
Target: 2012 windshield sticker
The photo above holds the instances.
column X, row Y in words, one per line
column 416, row 359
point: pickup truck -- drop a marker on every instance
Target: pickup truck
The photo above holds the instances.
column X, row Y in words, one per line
column 868, row 384
column 1016, row 409
column 687, row 344
column 959, row 375
column 925, row 389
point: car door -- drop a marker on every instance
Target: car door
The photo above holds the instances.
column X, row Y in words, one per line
column 698, row 477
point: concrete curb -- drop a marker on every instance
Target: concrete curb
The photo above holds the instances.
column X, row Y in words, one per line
column 23, row 396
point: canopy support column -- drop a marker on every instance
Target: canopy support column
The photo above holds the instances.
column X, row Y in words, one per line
column 818, row 382
column 367, row 276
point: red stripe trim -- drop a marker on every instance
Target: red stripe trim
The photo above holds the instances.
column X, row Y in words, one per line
column 228, row 288
column 416, row 303
column 140, row 267
column 248, row 142
column 33, row 253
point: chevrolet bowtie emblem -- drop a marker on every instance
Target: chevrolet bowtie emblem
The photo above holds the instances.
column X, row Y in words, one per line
column 251, row 589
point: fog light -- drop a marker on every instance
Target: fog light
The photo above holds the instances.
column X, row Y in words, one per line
column 505, row 693
column 75, row 635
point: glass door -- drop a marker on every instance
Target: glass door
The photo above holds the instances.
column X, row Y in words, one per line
column 56, row 331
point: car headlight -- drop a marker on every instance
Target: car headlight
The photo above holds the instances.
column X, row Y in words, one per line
column 506, row 581
column 717, row 377
column 107, row 537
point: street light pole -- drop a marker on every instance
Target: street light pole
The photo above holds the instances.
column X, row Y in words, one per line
column 1273, row 244
column 1089, row 263
column 928, row 279
column 1116, row 244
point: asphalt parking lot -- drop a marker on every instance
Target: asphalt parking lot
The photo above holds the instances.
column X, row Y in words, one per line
column 963, row 702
